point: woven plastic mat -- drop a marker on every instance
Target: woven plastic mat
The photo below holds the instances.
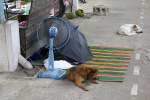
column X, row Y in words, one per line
column 112, row 63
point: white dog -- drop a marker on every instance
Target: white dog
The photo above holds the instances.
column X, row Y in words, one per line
column 129, row 29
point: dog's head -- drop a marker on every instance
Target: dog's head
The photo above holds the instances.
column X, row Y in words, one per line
column 91, row 72
column 86, row 71
column 137, row 29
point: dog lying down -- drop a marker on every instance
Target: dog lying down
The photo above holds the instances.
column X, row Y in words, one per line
column 129, row 29
column 82, row 74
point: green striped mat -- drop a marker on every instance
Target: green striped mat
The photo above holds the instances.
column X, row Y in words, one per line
column 112, row 63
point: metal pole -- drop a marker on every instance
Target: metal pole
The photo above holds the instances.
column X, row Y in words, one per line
column 2, row 15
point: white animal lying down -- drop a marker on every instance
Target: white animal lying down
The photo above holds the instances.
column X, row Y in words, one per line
column 129, row 29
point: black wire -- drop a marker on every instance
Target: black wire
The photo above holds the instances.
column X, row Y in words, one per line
column 6, row 13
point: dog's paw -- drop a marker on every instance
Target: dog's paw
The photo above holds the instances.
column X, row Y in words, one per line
column 85, row 89
column 95, row 81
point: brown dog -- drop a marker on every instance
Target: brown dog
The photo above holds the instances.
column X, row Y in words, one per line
column 81, row 74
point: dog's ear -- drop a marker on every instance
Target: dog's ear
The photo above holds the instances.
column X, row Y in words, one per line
column 86, row 69
column 134, row 26
column 92, row 70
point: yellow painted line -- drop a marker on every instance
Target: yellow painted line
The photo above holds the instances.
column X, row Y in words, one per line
column 110, row 71
column 109, row 53
column 98, row 75
column 98, row 66
column 115, row 51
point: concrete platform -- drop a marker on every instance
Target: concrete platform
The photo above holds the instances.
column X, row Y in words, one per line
column 99, row 30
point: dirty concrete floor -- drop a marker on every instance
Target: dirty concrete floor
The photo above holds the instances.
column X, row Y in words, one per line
column 99, row 30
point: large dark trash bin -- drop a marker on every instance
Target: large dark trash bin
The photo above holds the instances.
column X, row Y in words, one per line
column 70, row 42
